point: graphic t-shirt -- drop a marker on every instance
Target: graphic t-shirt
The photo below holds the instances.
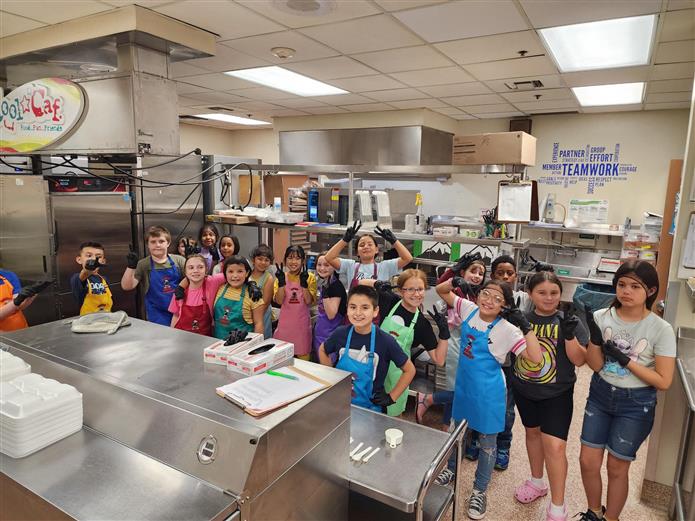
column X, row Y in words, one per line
column 384, row 270
column 555, row 374
column 642, row 341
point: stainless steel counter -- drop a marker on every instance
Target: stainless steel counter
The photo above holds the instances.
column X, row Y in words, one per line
column 89, row 476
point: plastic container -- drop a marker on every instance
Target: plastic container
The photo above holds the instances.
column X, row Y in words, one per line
column 12, row 366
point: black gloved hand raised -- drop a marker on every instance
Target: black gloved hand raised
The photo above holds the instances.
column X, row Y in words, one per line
column 568, row 325
column 386, row 234
column 541, row 266
column 190, row 248
column 611, row 350
column 255, row 293
column 442, row 323
column 179, row 293
column 468, row 289
column 352, row 231
column 93, row 264
column 382, row 398
column 280, row 275
column 464, row 261
column 215, row 254
column 30, row 291
column 235, row 336
column 595, row 334
column 304, row 277
column 516, row 317
column 383, row 286
column 132, row 259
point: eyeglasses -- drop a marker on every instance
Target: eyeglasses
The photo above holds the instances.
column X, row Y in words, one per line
column 412, row 291
column 490, row 295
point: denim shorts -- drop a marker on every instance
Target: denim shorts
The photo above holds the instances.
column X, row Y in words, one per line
column 618, row 419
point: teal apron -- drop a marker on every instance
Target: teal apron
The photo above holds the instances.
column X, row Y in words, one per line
column 404, row 337
column 229, row 314
column 362, row 373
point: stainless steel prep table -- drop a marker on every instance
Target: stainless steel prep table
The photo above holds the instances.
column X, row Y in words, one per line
column 147, row 388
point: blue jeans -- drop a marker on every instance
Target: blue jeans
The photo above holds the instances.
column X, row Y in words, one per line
column 504, row 438
column 486, row 460
column 445, row 398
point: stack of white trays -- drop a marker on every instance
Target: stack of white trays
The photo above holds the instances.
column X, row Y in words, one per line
column 12, row 366
column 36, row 412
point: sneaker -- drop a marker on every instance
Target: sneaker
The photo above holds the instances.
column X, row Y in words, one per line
column 471, row 452
column 590, row 515
column 445, row 478
column 502, row 461
column 477, row 505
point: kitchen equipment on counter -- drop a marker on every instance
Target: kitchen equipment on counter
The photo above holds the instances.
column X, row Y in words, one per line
column 394, row 437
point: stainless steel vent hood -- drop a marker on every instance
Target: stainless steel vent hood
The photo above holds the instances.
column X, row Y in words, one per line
column 411, row 145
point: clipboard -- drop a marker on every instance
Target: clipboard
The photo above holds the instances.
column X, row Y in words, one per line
column 517, row 201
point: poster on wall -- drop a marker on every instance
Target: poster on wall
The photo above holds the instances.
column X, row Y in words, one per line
column 40, row 113
column 595, row 165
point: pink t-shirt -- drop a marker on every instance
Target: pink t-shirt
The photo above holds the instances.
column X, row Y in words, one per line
column 194, row 297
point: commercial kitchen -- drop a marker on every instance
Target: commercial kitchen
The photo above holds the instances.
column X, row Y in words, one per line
column 559, row 133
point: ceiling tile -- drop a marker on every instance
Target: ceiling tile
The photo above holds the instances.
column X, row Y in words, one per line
column 187, row 88
column 331, row 68
column 670, row 86
column 404, row 59
column 545, row 94
column 217, row 97
column 183, row 69
column 373, row 33
column 228, row 59
column 552, row 81
column 221, row 17
column 607, row 76
column 257, row 105
column 281, row 113
column 444, row 22
column 150, row 4
column 396, row 95
column 464, row 116
column 555, row 111
column 491, row 48
column 368, row 107
column 673, row 71
column 674, row 5
column 418, row 103
column 325, row 110
column 550, row 13
column 614, row 108
column 342, row 99
column 219, row 81
column 260, row 46
column 667, row 106
column 532, row 106
column 299, row 103
column 678, row 25
column 12, row 24
column 667, row 97
column 536, row 65
column 185, row 101
column 449, row 111
column 481, row 99
column 441, row 76
column 52, row 12
column 499, row 115
column 367, row 83
column 457, row 89
column 340, row 11
column 397, row 5
column 673, row 52
column 262, row 93
column 496, row 107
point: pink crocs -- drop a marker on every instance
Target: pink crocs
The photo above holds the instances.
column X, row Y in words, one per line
column 528, row 492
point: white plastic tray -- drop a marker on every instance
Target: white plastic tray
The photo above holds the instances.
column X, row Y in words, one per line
column 12, row 366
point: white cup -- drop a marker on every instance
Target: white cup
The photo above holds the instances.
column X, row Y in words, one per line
column 394, row 437
column 410, row 223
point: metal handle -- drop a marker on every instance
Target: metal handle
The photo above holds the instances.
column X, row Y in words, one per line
column 55, row 237
column 684, row 380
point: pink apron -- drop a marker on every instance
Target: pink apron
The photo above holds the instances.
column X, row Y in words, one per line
column 295, row 324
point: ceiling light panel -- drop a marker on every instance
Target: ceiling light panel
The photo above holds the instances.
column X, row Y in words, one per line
column 604, row 95
column 288, row 81
column 623, row 42
column 552, row 13
column 228, row 118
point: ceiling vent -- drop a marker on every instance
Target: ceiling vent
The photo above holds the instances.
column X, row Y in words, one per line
column 305, row 7
column 524, row 85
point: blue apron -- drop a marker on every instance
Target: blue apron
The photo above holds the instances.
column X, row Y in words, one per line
column 158, row 296
column 480, row 395
column 362, row 373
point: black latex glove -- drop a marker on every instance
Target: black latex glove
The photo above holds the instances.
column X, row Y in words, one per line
column 386, row 234
column 541, row 266
column 255, row 293
column 468, row 289
column 352, row 231
column 383, row 286
column 214, row 252
column 304, row 278
column 132, row 259
column 382, row 398
column 30, row 291
column 280, row 275
column 235, row 336
column 442, row 323
column 568, row 325
column 612, row 351
column 179, row 293
column 93, row 264
column 516, row 317
column 464, row 261
column 595, row 334
column 190, row 248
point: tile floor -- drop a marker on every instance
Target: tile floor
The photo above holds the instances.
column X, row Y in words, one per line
column 501, row 503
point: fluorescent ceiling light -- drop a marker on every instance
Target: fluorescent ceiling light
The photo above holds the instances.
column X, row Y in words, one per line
column 282, row 79
column 623, row 42
column 227, row 118
column 600, row 95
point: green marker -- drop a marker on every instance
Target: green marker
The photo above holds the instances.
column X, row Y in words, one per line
column 282, row 375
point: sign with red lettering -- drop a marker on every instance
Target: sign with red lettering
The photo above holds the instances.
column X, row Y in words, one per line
column 40, row 113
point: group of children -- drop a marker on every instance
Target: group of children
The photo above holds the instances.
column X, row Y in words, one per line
column 515, row 348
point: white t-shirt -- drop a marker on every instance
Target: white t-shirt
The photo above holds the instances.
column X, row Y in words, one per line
column 504, row 337
column 642, row 341
column 384, row 270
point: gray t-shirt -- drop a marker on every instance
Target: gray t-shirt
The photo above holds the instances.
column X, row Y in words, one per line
column 642, row 341
column 142, row 272
column 384, row 270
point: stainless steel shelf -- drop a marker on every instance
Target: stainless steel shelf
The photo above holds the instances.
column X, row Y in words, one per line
column 391, row 170
column 595, row 230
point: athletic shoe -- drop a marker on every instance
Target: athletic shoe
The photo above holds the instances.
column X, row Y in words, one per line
column 502, row 461
column 477, row 505
column 471, row 452
column 445, row 478
column 590, row 515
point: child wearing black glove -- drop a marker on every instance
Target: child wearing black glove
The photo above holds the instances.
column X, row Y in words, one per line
column 89, row 287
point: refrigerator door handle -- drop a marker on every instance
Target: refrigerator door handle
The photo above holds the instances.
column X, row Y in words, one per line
column 55, row 237
column 45, row 267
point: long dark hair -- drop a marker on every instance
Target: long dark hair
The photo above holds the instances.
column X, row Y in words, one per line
column 644, row 272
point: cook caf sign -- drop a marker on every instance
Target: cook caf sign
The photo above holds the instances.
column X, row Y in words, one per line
column 39, row 113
